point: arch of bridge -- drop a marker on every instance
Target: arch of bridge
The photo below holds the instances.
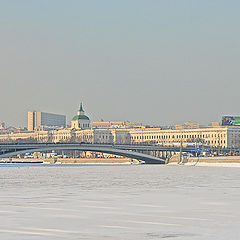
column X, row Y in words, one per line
column 119, row 152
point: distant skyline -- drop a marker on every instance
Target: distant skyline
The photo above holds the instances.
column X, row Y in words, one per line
column 150, row 61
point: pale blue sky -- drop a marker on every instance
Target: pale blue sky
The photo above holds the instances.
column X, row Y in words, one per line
column 152, row 61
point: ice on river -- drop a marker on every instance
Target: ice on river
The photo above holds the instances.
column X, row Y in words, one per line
column 119, row 202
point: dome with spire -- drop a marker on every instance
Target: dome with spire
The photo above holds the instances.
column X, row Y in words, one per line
column 81, row 120
column 77, row 117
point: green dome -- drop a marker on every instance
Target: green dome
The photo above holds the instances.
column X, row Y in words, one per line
column 82, row 117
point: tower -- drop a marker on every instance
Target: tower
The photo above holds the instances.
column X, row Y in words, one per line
column 80, row 121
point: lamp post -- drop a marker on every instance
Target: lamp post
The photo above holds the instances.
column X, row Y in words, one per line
column 180, row 155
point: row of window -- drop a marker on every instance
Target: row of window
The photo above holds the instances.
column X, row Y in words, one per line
column 178, row 136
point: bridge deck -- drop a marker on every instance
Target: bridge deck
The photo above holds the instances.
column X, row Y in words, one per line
column 125, row 151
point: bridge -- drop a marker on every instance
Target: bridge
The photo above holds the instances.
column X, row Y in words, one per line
column 10, row 150
column 150, row 154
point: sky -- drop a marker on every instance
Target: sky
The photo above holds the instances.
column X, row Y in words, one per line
column 150, row 61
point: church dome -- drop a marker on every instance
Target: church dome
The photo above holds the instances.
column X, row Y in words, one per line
column 80, row 121
column 80, row 117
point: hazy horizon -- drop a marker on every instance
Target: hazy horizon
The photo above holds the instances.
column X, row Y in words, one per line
column 155, row 62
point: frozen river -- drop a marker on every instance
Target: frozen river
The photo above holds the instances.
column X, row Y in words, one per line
column 119, row 202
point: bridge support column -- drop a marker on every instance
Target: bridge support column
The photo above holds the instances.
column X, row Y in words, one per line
column 153, row 153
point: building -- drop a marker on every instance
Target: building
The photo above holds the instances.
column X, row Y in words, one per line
column 42, row 119
column 215, row 124
column 46, row 127
column 121, row 136
column 80, row 121
column 188, row 125
column 222, row 137
column 115, row 124
column 225, row 137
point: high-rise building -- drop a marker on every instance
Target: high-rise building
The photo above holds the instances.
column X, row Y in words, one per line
column 42, row 119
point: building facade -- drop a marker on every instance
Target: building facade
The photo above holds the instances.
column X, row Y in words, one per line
column 42, row 119
column 115, row 124
column 188, row 125
column 83, row 131
column 224, row 137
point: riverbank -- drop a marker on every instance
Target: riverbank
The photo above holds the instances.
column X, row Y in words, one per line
column 71, row 161
column 216, row 159
column 207, row 164
column 221, row 161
